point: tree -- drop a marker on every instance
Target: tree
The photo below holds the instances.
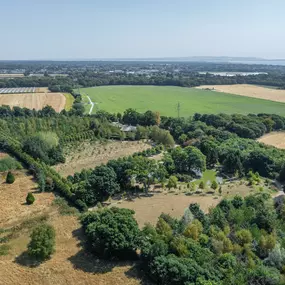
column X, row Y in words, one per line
column 172, row 182
column 145, row 171
column 112, row 232
column 210, row 149
column 194, row 230
column 30, row 199
column 195, row 158
column 10, row 178
column 201, row 185
column 101, row 184
column 42, row 243
column 131, row 117
column 244, row 236
column 214, row 185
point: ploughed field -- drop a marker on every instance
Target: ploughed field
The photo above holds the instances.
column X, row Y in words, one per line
column 165, row 99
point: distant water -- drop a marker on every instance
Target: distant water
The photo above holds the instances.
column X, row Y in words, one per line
column 266, row 62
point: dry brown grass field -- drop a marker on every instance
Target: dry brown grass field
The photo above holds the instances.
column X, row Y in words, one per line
column 249, row 91
column 149, row 208
column 90, row 154
column 13, row 198
column 34, row 100
column 276, row 139
column 71, row 264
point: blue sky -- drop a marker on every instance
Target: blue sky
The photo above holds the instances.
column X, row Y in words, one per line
column 80, row 29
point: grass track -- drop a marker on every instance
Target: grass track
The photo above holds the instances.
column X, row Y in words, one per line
column 165, row 98
column 69, row 101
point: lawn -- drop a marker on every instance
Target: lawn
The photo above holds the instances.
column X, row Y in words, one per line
column 208, row 177
column 165, row 99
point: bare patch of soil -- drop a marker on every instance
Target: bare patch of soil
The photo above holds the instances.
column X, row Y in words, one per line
column 91, row 154
column 249, row 91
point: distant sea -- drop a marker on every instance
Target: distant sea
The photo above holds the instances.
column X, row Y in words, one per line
column 267, row 62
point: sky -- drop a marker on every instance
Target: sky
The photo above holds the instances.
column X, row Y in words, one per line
column 101, row 29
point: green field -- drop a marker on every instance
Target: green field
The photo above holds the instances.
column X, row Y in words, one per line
column 69, row 101
column 165, row 99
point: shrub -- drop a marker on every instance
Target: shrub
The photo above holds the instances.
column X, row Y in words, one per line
column 201, row 185
column 214, row 185
column 10, row 178
column 30, row 199
column 172, row 182
column 42, row 242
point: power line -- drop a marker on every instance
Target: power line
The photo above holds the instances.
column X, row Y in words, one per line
column 178, row 109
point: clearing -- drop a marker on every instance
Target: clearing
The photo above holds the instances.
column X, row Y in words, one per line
column 13, row 198
column 148, row 209
column 175, row 202
column 248, row 90
column 165, row 99
column 89, row 154
column 276, row 139
column 34, row 100
column 70, row 264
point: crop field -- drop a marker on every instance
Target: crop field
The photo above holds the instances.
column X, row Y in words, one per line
column 276, row 139
column 253, row 91
column 34, row 100
column 165, row 99
column 17, row 90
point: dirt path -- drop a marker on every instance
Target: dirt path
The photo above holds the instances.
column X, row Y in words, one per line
column 249, row 91
column 92, row 105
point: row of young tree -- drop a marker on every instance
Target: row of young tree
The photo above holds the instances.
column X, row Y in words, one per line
column 241, row 241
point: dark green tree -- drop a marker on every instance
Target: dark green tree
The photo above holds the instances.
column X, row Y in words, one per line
column 42, row 244
column 30, row 199
column 10, row 178
column 112, row 232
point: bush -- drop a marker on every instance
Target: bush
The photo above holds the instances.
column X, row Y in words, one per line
column 30, row 199
column 42, row 242
column 10, row 178
column 201, row 185
column 214, row 185
column 172, row 182
column 8, row 163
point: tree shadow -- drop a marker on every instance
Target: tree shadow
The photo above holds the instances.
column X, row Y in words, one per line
column 136, row 272
column 86, row 261
column 25, row 260
column 89, row 263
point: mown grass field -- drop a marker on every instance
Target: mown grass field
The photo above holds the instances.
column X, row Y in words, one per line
column 165, row 99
